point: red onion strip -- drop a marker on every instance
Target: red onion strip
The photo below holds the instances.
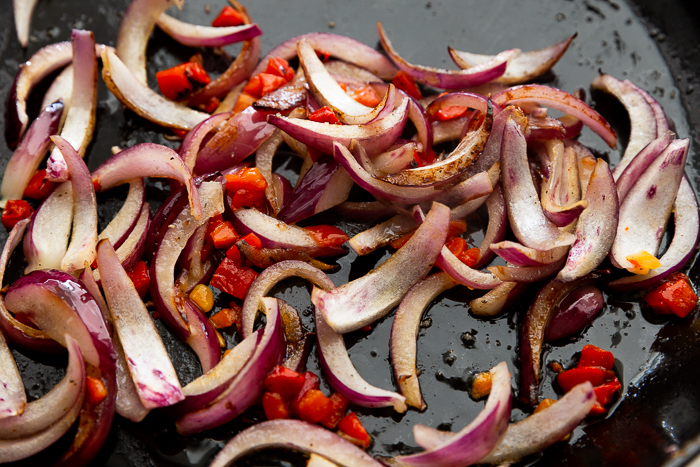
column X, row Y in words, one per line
column 127, row 217
column 381, row 234
column 191, row 144
column 205, row 36
column 497, row 299
column 12, row 397
column 636, row 167
column 61, row 89
column 497, row 226
column 23, row 10
column 364, row 300
column 342, row 375
column 561, row 191
column 404, row 333
column 295, row 435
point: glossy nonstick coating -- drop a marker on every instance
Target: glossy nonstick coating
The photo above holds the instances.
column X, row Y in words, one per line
column 651, row 43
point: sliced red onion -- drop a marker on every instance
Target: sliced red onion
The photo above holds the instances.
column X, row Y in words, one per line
column 192, row 261
column 341, row 47
column 682, row 247
column 267, row 279
column 81, row 248
column 525, row 214
column 138, row 97
column 23, row 10
column 424, row 129
column 404, row 333
column 397, row 157
column 642, row 117
column 21, row 447
column 165, row 296
column 20, row 334
column 207, row 387
column 641, row 161
column 448, row 79
column 375, row 137
column 469, row 207
column 239, row 137
column 448, row 131
column 42, row 63
column 560, row 100
column 12, row 397
column 191, row 144
column 522, row 66
column 364, row 300
column 492, row 150
column 532, row 332
column 527, row 274
column 350, row 71
column 662, row 123
column 203, row 338
column 28, row 155
column 325, row 185
column 146, row 160
column 266, row 257
column 462, row 99
column 247, row 385
column 149, row 363
column 541, row 430
column 576, row 311
column 46, row 241
column 452, row 166
column 127, row 217
column 586, row 163
column 497, row 226
column 365, row 211
column 596, row 226
column 561, row 191
column 80, row 117
column 274, row 233
column 477, row 439
column 328, row 92
column 463, row 274
column 263, row 161
column 296, row 359
column 645, row 211
column 40, row 414
column 61, row 89
column 342, row 375
column 381, row 234
column 497, row 299
column 193, row 35
column 295, row 435
column 135, row 29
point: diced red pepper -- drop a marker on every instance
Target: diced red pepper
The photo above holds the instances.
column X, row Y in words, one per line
column 274, row 406
column 234, row 253
column 456, row 228
column 280, row 67
column 311, row 381
column 227, row 317
column 407, row 84
column 592, row 356
column 450, row 113
column 252, row 240
column 15, row 210
column 459, row 247
column 352, row 426
column 576, row 376
column 263, row 83
column 178, row 81
column 233, row 279
column 324, row 115
column 424, row 158
column 39, row 186
column 284, row 382
column 210, row 106
column 96, row 390
column 224, row 235
column 339, row 407
column 140, row 277
column 366, row 95
column 244, row 101
column 327, row 235
column 246, row 188
column 314, row 406
column 229, row 16
column 605, row 392
column 323, row 55
column 674, row 296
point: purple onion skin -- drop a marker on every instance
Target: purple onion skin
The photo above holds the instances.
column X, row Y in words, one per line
column 574, row 313
column 302, row 203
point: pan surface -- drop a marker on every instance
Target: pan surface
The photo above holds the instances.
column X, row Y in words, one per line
column 653, row 45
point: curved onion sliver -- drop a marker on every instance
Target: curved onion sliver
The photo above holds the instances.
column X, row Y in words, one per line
column 23, row 10
column 381, row 234
column 404, row 332
column 191, row 145
column 193, row 35
column 497, row 226
column 126, row 218
column 12, row 396
column 497, row 299
column 343, row 376
column 629, row 176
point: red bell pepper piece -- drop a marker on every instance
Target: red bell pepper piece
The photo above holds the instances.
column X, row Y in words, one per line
column 424, row 158
column 252, row 240
column 274, row 406
column 224, row 235
column 314, row 406
column 284, row 382
column 263, row 83
column 324, row 115
column 15, row 210
column 407, row 84
column 233, row 279
column 339, row 407
column 246, row 188
column 229, row 16
column 244, row 101
column 323, row 55
column 450, row 113
column 210, row 106
column 178, row 81
column 576, row 376
column 280, row 67
column 140, row 277
column 311, row 381
column 592, row 356
column 352, row 426
column 459, row 247
column 327, row 235
column 234, row 254
column 674, row 296
column 456, row 228
column 227, row 317
column 605, row 392
column 366, row 96
column 39, row 187
column 96, row 390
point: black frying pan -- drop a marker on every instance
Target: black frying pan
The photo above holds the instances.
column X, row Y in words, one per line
column 652, row 43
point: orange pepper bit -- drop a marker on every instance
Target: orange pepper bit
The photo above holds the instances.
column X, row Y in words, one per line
column 481, row 386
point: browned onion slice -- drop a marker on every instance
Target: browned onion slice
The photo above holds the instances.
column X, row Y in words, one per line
column 497, row 299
